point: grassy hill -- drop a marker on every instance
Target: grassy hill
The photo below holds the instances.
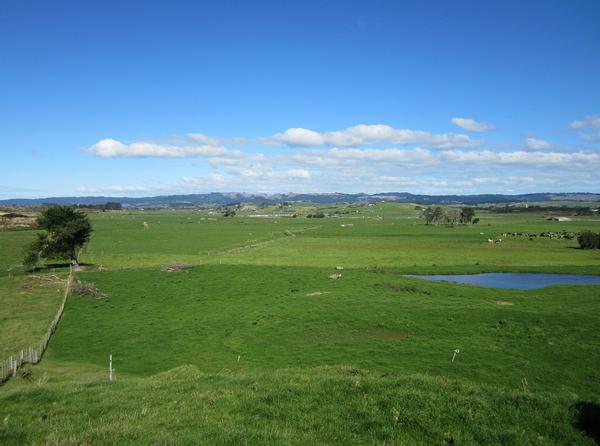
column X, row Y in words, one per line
column 275, row 351
column 335, row 405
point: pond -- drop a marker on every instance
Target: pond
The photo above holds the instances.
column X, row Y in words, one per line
column 518, row 281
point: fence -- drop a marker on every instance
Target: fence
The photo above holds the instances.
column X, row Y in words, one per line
column 33, row 354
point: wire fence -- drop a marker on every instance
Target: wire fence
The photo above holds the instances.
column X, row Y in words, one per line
column 33, row 354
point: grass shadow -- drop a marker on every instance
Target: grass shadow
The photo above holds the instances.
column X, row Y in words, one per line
column 58, row 265
column 587, row 419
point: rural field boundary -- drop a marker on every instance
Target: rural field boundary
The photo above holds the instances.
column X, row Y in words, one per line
column 33, row 354
column 233, row 250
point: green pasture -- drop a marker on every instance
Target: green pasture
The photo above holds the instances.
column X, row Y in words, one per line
column 321, row 406
column 265, row 344
column 249, row 318
column 28, row 306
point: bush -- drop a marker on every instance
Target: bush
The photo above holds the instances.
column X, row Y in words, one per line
column 589, row 240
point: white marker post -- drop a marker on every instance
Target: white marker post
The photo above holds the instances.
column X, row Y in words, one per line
column 456, row 352
column 110, row 370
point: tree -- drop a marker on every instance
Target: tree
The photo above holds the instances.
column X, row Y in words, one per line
column 588, row 240
column 438, row 214
column 466, row 215
column 433, row 215
column 428, row 215
column 67, row 231
column 453, row 216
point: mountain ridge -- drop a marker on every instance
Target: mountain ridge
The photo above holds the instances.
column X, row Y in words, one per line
column 224, row 198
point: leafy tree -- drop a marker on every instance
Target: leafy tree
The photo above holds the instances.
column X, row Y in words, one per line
column 434, row 215
column 428, row 215
column 453, row 216
column 466, row 215
column 438, row 214
column 588, row 240
column 67, row 230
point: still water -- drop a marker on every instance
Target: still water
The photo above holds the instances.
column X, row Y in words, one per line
column 519, row 281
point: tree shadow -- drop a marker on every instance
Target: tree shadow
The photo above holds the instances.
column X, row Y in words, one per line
column 587, row 419
column 58, row 265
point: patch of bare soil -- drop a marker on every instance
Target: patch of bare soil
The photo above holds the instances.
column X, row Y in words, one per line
column 175, row 267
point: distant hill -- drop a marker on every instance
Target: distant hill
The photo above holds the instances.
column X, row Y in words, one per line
column 190, row 200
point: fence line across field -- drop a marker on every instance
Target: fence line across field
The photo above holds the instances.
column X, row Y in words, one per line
column 33, row 354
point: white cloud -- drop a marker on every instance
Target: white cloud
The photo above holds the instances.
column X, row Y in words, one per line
column 268, row 172
column 471, row 125
column 588, row 128
column 299, row 137
column 296, row 173
column 351, row 157
column 411, row 156
column 587, row 122
column 537, row 144
column 115, row 190
column 203, row 139
column 220, row 160
column 370, row 134
column 566, row 160
column 391, row 169
column 111, row 148
column 346, row 160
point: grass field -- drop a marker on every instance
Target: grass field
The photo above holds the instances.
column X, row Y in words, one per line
column 254, row 343
column 28, row 306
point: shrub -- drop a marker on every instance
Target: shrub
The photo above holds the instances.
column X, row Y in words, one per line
column 589, row 240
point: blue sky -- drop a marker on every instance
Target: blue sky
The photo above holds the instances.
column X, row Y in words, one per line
column 148, row 98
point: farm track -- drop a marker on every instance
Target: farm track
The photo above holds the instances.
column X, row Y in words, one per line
column 258, row 244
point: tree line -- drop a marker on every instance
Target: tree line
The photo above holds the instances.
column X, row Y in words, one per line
column 568, row 210
column 109, row 206
column 451, row 216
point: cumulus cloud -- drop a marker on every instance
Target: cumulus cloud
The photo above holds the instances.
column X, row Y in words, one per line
column 587, row 122
column 537, row 144
column 412, row 156
column 370, row 134
column 299, row 137
column 587, row 128
column 417, row 170
column 268, row 172
column 519, row 157
column 112, row 148
column 350, row 157
column 202, row 139
column 471, row 125
column 368, row 158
